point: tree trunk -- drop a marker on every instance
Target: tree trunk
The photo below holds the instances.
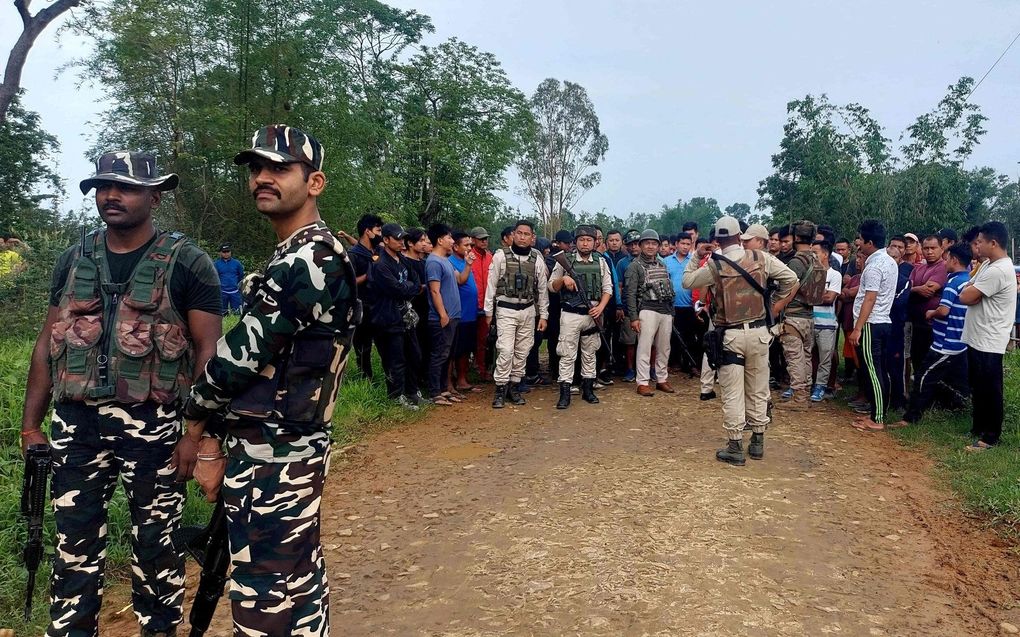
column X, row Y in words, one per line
column 33, row 26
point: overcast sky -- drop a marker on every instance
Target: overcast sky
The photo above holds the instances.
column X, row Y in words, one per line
column 692, row 95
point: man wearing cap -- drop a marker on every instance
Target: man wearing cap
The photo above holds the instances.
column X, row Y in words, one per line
column 947, row 237
column 740, row 313
column 580, row 309
column 394, row 284
column 230, row 272
column 518, row 292
column 480, row 269
column 797, row 333
column 270, row 392
column 756, row 237
column 628, row 337
column 133, row 312
column 650, row 310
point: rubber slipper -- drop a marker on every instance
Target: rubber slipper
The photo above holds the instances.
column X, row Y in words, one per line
column 451, row 397
column 977, row 446
column 861, row 425
column 441, row 400
column 900, row 424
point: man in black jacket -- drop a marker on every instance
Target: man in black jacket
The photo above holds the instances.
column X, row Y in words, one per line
column 393, row 284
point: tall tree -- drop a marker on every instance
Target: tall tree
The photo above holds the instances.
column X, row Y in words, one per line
column 27, row 177
column 31, row 27
column 558, row 163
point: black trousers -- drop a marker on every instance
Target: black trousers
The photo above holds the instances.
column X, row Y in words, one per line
column 439, row 360
column 920, row 343
column 400, row 357
column 872, row 350
column 692, row 331
column 986, row 394
column 936, row 373
column 363, row 346
column 895, row 366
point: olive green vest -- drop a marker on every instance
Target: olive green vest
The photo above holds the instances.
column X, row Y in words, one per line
column 519, row 280
column 591, row 273
column 124, row 341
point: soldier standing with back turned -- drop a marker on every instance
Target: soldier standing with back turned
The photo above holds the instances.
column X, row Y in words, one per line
column 272, row 387
column 133, row 312
column 578, row 313
column 740, row 313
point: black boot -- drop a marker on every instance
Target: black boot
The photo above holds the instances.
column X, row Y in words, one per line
column 564, row 400
column 499, row 400
column 733, row 453
column 513, row 394
column 588, row 391
column 756, row 449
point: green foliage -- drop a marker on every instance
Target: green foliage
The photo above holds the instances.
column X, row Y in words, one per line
column 704, row 211
column 27, row 176
column 557, row 165
column 835, row 165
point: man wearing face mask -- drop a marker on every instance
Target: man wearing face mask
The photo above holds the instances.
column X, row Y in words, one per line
column 517, row 291
column 364, row 252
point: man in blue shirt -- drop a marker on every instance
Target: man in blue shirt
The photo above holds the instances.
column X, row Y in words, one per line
column 945, row 364
column 464, row 339
column 231, row 272
column 688, row 327
column 444, row 312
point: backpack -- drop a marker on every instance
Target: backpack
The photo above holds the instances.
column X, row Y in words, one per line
column 812, row 285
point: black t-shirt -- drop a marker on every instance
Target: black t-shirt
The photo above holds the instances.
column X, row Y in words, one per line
column 194, row 284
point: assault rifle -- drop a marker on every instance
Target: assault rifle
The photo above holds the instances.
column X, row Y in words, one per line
column 33, row 503
column 582, row 289
column 210, row 549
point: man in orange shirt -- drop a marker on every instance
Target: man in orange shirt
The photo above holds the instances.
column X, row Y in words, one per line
column 480, row 268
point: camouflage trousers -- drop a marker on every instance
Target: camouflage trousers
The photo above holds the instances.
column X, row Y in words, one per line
column 278, row 583
column 93, row 445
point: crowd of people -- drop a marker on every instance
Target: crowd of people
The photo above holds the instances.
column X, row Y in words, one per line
column 908, row 319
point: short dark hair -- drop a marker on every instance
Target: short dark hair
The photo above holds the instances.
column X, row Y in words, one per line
column 458, row 235
column 367, row 222
column 823, row 244
column 872, row 231
column 612, row 232
column 700, row 241
column 773, row 231
column 784, row 231
column 598, row 228
column 828, row 232
column 506, row 232
column 438, row 230
column 413, row 235
column 682, row 236
column 900, row 238
column 971, row 234
column 842, row 240
column 743, row 226
column 524, row 222
column 689, row 225
column 932, row 237
column 961, row 252
column 996, row 231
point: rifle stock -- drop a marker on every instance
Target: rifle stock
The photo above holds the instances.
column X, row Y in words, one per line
column 210, row 549
column 582, row 289
column 33, row 503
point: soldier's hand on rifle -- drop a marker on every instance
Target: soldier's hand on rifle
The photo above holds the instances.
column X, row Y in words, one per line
column 185, row 456
column 31, row 437
column 212, row 464
column 636, row 326
column 596, row 312
column 569, row 283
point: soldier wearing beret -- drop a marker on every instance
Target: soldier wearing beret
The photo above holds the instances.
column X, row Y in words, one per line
column 270, row 392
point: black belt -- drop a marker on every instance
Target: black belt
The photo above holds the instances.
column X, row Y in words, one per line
column 574, row 310
column 514, row 306
column 750, row 326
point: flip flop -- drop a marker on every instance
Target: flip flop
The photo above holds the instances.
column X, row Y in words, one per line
column 450, row 396
column 900, row 424
column 441, row 400
column 469, row 388
column 861, row 425
column 977, row 446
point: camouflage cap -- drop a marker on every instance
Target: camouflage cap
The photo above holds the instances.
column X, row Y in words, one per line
column 633, row 236
column 284, row 145
column 804, row 231
column 584, row 231
column 126, row 167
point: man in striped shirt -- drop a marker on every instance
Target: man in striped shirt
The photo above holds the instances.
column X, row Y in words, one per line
column 945, row 364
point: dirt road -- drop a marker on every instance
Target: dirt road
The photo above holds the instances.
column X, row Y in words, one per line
column 616, row 519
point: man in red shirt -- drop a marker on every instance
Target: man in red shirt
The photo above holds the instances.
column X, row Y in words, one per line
column 480, row 268
column 926, row 282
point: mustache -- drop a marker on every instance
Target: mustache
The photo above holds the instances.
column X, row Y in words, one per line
column 268, row 189
column 112, row 206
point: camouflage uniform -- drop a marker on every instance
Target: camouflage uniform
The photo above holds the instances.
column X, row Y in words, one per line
column 277, row 374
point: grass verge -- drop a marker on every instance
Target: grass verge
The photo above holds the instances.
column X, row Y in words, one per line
column 362, row 407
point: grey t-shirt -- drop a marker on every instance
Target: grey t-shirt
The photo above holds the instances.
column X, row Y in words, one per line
column 988, row 323
column 440, row 269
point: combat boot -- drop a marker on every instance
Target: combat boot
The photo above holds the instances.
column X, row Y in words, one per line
column 756, row 448
column 500, row 399
column 588, row 391
column 733, row 453
column 564, row 400
column 513, row 394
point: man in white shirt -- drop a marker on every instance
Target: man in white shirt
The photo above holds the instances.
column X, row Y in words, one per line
column 872, row 323
column 991, row 297
column 825, row 325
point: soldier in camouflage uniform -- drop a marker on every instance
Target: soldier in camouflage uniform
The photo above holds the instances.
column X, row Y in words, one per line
column 272, row 387
column 739, row 312
column 132, row 312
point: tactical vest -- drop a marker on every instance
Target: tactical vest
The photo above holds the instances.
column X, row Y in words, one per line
column 298, row 389
column 519, row 280
column 812, row 285
column 591, row 273
column 657, row 286
column 733, row 299
column 121, row 341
